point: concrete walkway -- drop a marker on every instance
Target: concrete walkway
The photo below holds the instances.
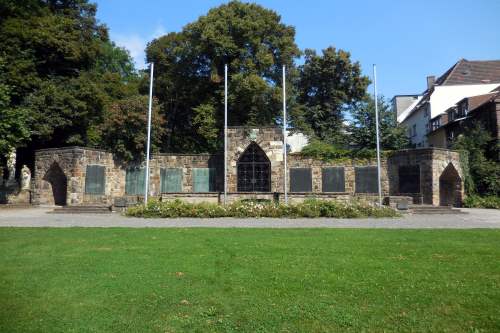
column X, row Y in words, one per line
column 38, row 217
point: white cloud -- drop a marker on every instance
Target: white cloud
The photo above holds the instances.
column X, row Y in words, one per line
column 136, row 44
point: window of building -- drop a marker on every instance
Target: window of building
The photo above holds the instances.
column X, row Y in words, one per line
column 414, row 130
column 134, row 181
column 203, row 180
column 366, row 179
column 300, row 180
column 171, row 180
column 94, row 179
column 435, row 123
column 333, row 179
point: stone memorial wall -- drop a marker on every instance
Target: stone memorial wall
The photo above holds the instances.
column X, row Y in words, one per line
column 255, row 161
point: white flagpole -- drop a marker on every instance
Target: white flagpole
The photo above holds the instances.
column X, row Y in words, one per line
column 225, row 134
column 146, row 185
column 284, row 138
column 377, row 133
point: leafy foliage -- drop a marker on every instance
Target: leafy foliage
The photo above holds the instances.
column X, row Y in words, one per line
column 327, row 152
column 61, row 71
column 482, row 151
column 309, row 208
column 476, row 201
column 190, row 71
column 362, row 129
column 328, row 85
column 124, row 127
column 14, row 126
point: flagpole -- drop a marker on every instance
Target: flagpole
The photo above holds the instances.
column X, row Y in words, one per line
column 284, row 138
column 146, row 185
column 377, row 133
column 225, row 134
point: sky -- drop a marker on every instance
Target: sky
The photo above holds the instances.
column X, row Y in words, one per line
column 407, row 40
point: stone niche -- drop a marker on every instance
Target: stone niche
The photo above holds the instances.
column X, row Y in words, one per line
column 441, row 175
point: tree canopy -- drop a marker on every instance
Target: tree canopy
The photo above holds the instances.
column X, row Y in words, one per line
column 328, row 86
column 252, row 41
column 59, row 74
column 63, row 82
column 362, row 129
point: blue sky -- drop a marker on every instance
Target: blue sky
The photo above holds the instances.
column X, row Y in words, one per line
column 408, row 40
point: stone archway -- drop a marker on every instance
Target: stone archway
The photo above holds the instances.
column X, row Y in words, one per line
column 59, row 183
column 253, row 170
column 450, row 187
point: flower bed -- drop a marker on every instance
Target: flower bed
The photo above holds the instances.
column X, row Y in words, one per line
column 309, row 208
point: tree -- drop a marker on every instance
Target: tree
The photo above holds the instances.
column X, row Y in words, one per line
column 328, row 85
column 61, row 69
column 482, row 152
column 123, row 129
column 190, row 71
column 14, row 126
column 362, row 129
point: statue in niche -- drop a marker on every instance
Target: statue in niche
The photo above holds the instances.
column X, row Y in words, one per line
column 11, row 166
column 25, row 178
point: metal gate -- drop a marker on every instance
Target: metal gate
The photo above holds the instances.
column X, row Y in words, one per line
column 254, row 170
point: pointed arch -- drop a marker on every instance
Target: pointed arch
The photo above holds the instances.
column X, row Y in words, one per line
column 254, row 170
column 450, row 187
column 59, row 183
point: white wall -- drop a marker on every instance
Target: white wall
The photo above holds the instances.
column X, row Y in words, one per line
column 441, row 99
column 419, row 119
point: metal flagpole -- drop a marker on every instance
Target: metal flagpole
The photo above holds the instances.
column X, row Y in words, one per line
column 225, row 134
column 284, row 138
column 377, row 133
column 146, row 185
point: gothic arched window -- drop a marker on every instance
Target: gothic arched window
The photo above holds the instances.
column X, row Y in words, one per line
column 254, row 170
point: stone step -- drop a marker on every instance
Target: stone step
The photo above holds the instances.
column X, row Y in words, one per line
column 428, row 209
column 91, row 209
column 16, row 205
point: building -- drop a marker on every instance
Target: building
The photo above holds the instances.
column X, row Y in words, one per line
column 403, row 102
column 483, row 109
column 463, row 80
column 82, row 176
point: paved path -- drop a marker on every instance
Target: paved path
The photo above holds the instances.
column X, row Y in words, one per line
column 38, row 217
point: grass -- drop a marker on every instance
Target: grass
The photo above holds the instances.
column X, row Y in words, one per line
column 249, row 280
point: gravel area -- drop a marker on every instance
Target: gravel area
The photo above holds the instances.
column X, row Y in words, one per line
column 38, row 217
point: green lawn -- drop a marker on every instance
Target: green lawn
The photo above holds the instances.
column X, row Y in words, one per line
column 249, row 280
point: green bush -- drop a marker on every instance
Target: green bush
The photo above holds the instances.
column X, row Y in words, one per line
column 326, row 152
column 476, row 201
column 309, row 208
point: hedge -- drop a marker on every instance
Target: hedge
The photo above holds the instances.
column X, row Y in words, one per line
column 242, row 209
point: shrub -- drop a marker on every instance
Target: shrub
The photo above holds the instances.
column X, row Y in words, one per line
column 309, row 208
column 476, row 201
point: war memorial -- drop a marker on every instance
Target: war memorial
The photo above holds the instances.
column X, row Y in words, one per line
column 84, row 176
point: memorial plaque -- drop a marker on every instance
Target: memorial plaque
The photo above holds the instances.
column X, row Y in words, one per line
column 366, row 179
column 333, row 179
column 409, row 179
column 94, row 179
column 300, row 180
column 203, row 180
column 134, row 181
column 171, row 180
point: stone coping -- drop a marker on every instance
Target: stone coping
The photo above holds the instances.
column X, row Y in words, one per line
column 254, row 127
column 72, row 148
column 422, row 149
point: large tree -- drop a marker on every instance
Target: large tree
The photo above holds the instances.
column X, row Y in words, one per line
column 329, row 84
column 61, row 70
column 362, row 129
column 253, row 42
